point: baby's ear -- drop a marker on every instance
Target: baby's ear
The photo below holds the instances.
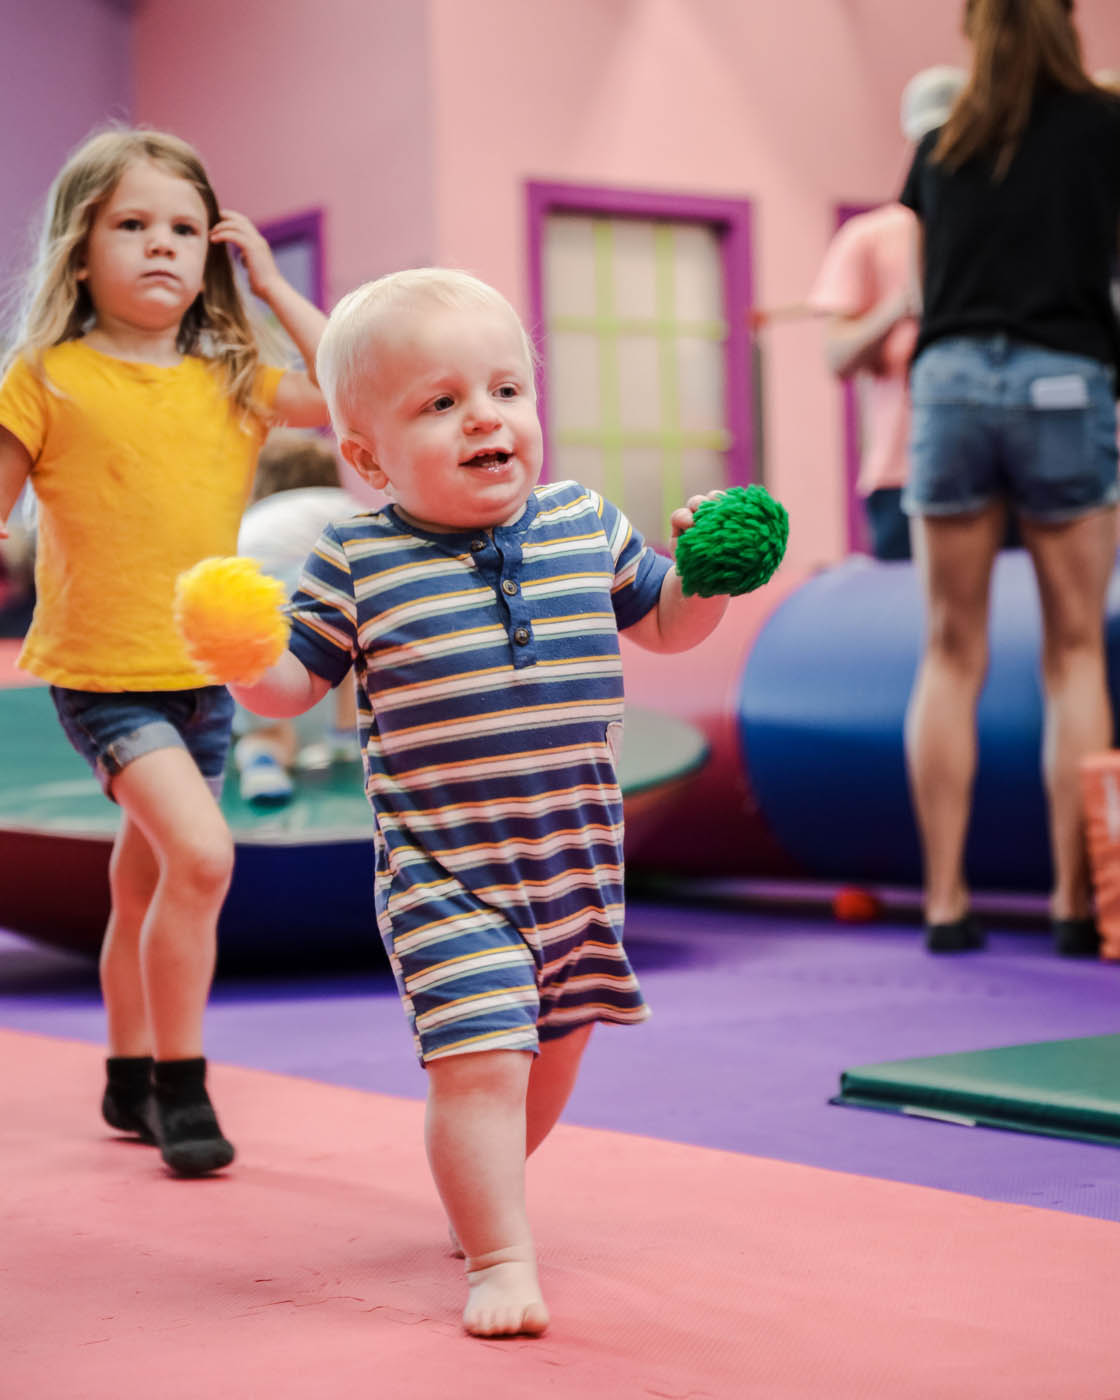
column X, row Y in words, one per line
column 359, row 454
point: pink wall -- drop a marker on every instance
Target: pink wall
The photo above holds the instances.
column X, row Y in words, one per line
column 793, row 105
column 416, row 124
column 66, row 70
column 296, row 105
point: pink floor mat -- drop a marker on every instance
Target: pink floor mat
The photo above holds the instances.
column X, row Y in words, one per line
column 317, row 1266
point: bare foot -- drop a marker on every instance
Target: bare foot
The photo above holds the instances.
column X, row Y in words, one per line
column 505, row 1297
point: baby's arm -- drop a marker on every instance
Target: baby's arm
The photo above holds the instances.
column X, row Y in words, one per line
column 299, row 402
column 15, row 463
column 287, row 688
column 678, row 622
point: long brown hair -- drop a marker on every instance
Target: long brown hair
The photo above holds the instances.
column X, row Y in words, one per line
column 216, row 326
column 1018, row 47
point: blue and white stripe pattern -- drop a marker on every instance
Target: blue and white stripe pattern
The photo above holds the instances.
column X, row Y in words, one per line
column 490, row 710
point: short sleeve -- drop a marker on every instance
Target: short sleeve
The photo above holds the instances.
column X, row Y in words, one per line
column 844, row 282
column 639, row 571
column 323, row 611
column 265, row 384
column 24, row 409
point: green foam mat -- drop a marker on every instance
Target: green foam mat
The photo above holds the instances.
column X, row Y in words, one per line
column 1058, row 1088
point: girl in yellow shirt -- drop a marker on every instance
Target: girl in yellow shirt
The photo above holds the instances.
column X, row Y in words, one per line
column 136, row 401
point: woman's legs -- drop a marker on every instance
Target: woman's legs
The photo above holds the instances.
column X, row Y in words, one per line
column 1073, row 563
column 954, row 556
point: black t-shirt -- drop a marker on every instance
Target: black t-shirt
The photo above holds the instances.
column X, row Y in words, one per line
column 1030, row 255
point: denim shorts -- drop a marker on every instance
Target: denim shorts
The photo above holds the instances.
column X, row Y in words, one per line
column 994, row 418
column 109, row 729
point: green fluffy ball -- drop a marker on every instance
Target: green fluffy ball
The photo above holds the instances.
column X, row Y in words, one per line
column 734, row 544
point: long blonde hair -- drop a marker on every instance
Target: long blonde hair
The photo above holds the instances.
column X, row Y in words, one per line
column 1019, row 47
column 216, row 326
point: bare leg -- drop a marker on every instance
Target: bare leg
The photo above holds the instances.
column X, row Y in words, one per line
column 475, row 1135
column 954, row 555
column 1073, row 563
column 166, row 798
column 551, row 1081
column 133, row 874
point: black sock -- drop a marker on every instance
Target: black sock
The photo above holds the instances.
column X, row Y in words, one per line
column 128, row 1085
column 183, row 1118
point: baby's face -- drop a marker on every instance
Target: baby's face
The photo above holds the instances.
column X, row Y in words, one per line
column 453, row 433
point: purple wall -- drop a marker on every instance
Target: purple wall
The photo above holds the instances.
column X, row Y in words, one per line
column 68, row 68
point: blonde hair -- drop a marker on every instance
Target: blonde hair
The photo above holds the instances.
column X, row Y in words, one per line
column 1019, row 47
column 290, row 460
column 57, row 307
column 343, row 363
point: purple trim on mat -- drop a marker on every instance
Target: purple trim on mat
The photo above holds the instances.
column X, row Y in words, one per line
column 299, row 228
column 859, row 538
column 733, row 219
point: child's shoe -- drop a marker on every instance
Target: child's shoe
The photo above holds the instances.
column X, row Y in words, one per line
column 183, row 1121
column 128, row 1088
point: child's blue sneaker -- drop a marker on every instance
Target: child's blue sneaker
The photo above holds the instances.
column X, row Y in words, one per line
column 264, row 782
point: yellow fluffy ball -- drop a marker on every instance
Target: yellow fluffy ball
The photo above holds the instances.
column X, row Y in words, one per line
column 229, row 615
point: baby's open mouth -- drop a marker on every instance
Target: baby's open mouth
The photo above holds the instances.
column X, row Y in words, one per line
column 488, row 459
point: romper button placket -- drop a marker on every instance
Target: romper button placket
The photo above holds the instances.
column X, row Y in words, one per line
column 521, row 636
column 509, row 587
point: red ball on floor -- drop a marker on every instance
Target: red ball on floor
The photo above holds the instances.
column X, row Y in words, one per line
column 851, row 905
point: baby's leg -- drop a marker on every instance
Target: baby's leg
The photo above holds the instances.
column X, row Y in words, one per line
column 476, row 1147
column 551, row 1081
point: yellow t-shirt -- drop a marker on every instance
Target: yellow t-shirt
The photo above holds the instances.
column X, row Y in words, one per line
column 140, row 471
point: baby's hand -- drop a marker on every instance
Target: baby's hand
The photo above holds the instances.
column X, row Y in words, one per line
column 260, row 265
column 729, row 541
column 682, row 518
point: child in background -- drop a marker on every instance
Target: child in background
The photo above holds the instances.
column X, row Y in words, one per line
column 136, row 402
column 296, row 494
column 481, row 614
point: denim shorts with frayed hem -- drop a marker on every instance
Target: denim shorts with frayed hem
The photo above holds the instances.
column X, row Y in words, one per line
column 109, row 729
column 994, row 418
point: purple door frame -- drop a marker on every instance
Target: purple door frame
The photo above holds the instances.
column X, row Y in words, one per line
column 732, row 217
column 306, row 228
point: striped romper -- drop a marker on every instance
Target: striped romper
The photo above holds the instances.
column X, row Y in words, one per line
column 490, row 711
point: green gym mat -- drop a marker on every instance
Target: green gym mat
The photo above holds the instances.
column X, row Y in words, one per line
column 1057, row 1088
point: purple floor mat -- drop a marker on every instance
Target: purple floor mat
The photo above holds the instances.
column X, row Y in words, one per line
column 755, row 1015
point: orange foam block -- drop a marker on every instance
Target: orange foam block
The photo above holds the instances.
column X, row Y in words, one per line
column 318, row 1266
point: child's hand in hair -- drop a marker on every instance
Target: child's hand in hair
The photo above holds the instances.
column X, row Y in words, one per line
column 256, row 255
